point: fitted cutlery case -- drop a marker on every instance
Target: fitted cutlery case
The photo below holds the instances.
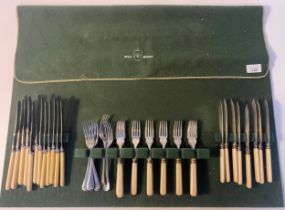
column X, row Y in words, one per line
column 143, row 62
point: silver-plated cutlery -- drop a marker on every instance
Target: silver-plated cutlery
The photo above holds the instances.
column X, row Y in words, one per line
column 31, row 158
column 252, row 122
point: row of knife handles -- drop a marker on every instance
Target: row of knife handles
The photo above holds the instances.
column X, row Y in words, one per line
column 40, row 167
column 258, row 161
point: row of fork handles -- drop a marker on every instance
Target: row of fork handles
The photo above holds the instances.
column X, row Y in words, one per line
column 149, row 177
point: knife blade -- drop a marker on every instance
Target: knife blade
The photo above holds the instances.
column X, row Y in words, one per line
column 267, row 147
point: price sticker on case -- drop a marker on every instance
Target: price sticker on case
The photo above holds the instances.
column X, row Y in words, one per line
column 253, row 68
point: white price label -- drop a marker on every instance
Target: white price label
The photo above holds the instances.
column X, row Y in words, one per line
column 253, row 68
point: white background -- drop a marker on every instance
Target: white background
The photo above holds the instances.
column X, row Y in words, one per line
column 274, row 29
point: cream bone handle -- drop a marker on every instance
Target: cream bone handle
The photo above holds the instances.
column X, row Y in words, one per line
column 179, row 186
column 43, row 170
column 235, row 162
column 62, row 168
column 227, row 163
column 26, row 165
column 30, row 171
column 48, row 167
column 261, row 168
column 39, row 164
column 35, row 165
column 149, row 183
column 10, row 170
column 268, row 163
column 163, row 176
column 120, row 179
column 222, row 164
column 134, row 177
column 21, row 165
column 256, row 164
column 248, row 168
column 52, row 166
column 56, row 169
column 14, row 181
column 239, row 160
column 193, row 177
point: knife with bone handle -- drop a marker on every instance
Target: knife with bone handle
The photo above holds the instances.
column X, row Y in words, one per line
column 234, row 143
column 226, row 144
column 255, row 142
column 222, row 150
column 239, row 157
column 40, row 146
column 247, row 149
column 30, row 153
column 44, row 151
column 267, row 147
column 23, row 147
column 260, row 145
column 28, row 118
column 15, row 173
column 12, row 155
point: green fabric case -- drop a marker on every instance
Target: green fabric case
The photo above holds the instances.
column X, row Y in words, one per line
column 143, row 62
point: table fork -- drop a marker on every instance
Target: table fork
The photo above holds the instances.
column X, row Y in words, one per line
column 91, row 179
column 136, row 134
column 163, row 134
column 106, row 135
column 149, row 135
column 120, row 136
column 192, row 140
column 177, row 135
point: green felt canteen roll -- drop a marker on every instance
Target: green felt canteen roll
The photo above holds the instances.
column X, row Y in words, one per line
column 143, row 62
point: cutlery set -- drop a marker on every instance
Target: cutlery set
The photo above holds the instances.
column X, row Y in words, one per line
column 93, row 132
column 37, row 154
column 253, row 135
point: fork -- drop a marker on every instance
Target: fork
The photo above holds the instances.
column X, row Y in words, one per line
column 177, row 136
column 91, row 179
column 163, row 134
column 149, row 135
column 136, row 134
column 192, row 140
column 120, row 136
column 106, row 135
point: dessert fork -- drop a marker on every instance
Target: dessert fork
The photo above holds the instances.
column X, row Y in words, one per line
column 106, row 134
column 149, row 135
column 177, row 135
column 192, row 140
column 136, row 134
column 91, row 179
column 163, row 134
column 120, row 136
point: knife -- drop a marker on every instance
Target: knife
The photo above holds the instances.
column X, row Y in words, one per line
column 239, row 157
column 12, row 155
column 247, row 149
column 267, row 147
column 234, row 143
column 255, row 143
column 227, row 158
column 222, row 152
column 260, row 145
